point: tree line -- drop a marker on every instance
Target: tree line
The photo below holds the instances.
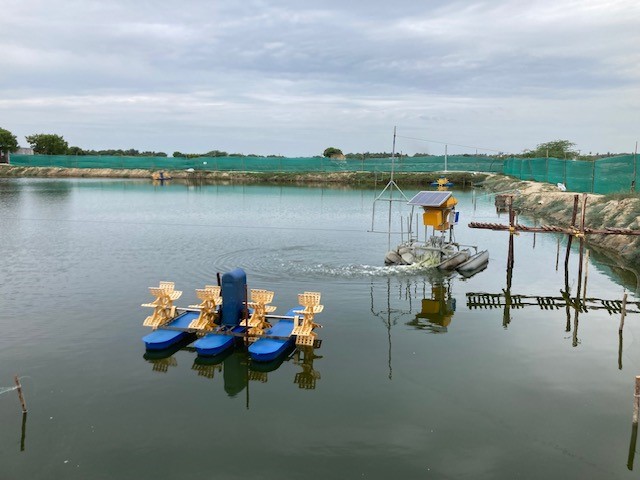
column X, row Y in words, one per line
column 561, row 149
column 52, row 144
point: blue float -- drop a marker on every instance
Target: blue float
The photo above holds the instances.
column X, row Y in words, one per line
column 268, row 349
column 164, row 337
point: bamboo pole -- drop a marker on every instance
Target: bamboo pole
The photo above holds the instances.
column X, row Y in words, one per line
column 636, row 401
column 20, row 396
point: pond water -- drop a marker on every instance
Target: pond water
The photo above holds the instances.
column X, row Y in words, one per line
column 411, row 381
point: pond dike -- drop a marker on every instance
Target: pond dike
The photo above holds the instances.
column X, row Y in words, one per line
column 550, row 206
column 420, row 180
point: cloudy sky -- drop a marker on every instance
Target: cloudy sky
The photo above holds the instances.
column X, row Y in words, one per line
column 292, row 77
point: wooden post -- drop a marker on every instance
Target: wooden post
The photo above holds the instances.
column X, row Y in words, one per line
column 636, row 401
column 558, row 254
column 623, row 311
column 512, row 216
column 634, row 426
column 620, row 350
column 584, row 209
column 20, row 396
column 586, row 275
column 570, row 237
column 245, row 314
column 635, row 168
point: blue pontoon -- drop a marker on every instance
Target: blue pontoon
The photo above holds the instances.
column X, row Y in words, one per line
column 267, row 349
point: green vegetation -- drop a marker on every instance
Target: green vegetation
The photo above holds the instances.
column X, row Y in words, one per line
column 212, row 153
column 131, row 152
column 561, row 149
column 8, row 144
column 332, row 152
column 47, row 143
column 56, row 145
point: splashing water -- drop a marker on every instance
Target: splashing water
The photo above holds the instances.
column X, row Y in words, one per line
column 429, row 259
column 7, row 389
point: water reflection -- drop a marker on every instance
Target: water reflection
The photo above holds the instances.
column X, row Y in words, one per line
column 437, row 305
column 304, row 357
column 437, row 310
column 236, row 368
column 23, row 437
column 573, row 305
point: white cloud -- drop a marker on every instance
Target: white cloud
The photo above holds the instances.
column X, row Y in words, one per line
column 281, row 77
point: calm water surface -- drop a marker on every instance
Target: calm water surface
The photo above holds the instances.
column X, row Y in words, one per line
column 410, row 381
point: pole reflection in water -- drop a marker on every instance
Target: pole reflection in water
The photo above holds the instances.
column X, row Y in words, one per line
column 389, row 316
column 24, row 431
column 437, row 305
column 632, row 446
column 573, row 305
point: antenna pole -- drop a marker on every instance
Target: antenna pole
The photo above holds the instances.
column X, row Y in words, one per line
column 635, row 168
column 445, row 157
column 393, row 156
column 393, row 152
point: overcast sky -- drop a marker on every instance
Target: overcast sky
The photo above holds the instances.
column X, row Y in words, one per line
column 292, row 77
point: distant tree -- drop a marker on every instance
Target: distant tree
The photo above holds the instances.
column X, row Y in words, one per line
column 8, row 144
column 149, row 153
column 47, row 143
column 331, row 152
column 216, row 153
column 555, row 149
column 75, row 151
column 178, row 155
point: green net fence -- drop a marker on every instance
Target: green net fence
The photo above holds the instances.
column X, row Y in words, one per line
column 607, row 175
column 267, row 164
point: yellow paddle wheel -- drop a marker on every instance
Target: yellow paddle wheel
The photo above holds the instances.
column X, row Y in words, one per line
column 211, row 300
column 257, row 322
column 303, row 327
column 163, row 308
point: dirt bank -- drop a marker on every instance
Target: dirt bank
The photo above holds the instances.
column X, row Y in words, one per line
column 553, row 207
column 359, row 179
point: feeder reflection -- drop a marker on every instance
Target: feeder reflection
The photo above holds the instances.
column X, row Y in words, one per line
column 437, row 311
